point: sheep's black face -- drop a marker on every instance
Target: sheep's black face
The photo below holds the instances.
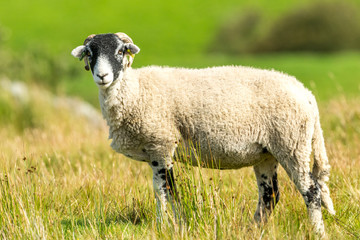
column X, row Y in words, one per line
column 105, row 53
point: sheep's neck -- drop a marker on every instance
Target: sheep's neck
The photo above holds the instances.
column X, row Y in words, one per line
column 117, row 103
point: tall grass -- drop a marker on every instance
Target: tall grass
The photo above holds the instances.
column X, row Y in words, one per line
column 61, row 180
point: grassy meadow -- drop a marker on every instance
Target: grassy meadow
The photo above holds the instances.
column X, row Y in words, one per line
column 59, row 178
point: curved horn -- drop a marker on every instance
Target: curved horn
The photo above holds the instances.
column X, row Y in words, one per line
column 86, row 60
column 89, row 38
column 126, row 39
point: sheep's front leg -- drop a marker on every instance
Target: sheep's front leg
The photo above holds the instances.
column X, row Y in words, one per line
column 266, row 176
column 164, row 188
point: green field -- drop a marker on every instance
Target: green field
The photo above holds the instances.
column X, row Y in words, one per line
column 38, row 37
column 59, row 178
column 162, row 28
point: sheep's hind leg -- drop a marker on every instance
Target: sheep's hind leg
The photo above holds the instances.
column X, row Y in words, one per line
column 266, row 176
column 164, row 188
column 299, row 173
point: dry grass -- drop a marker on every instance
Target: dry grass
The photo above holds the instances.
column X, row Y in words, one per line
column 61, row 180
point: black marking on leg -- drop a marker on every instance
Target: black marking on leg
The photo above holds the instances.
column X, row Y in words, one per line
column 267, row 196
column 313, row 196
column 264, row 176
column 167, row 175
column 155, row 163
column 164, row 187
column 276, row 188
column 271, row 194
column 162, row 171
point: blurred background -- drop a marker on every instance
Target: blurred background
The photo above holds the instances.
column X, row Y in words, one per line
column 316, row 41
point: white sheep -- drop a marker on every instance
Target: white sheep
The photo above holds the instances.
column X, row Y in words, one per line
column 238, row 116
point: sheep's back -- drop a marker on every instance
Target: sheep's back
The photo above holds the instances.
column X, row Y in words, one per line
column 228, row 109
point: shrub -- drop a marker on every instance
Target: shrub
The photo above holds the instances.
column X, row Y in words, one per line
column 321, row 27
column 37, row 65
column 237, row 35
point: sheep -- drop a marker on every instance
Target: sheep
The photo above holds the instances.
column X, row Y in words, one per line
column 238, row 116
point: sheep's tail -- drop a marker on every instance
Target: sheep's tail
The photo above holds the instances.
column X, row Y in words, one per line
column 321, row 168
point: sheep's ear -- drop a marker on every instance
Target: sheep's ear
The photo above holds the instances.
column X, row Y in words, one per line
column 130, row 51
column 78, row 51
column 132, row 48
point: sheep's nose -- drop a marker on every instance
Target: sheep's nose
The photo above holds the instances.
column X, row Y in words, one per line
column 102, row 76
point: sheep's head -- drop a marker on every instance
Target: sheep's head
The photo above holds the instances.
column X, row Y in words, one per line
column 108, row 56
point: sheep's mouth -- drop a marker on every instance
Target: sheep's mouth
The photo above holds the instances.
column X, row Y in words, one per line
column 104, row 84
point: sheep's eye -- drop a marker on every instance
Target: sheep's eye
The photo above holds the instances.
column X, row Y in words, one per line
column 120, row 52
column 88, row 53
